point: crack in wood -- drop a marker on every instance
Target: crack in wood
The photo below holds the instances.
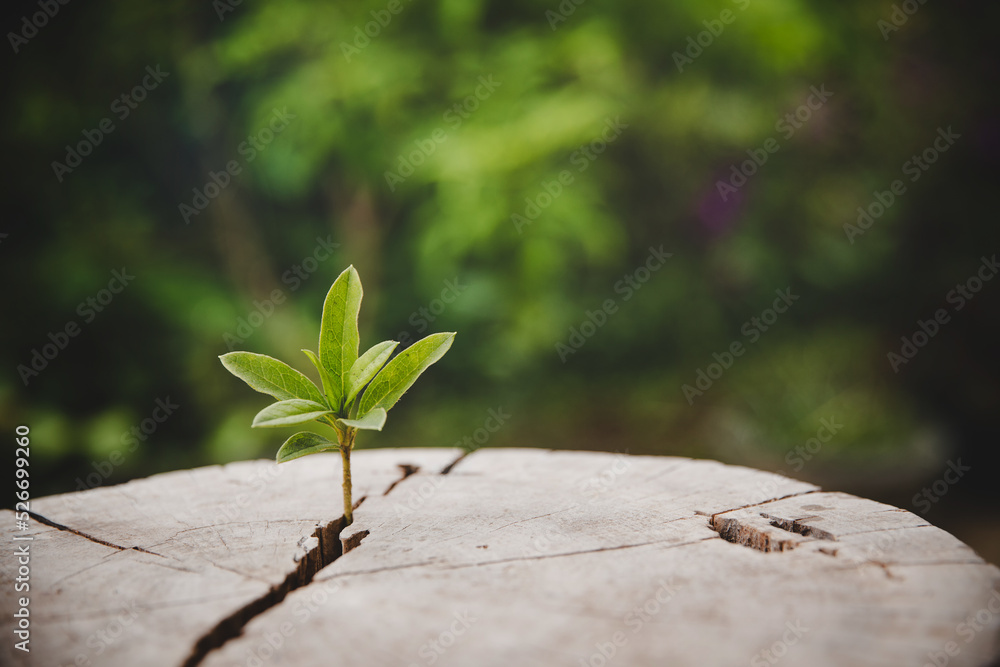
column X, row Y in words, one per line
column 351, row 543
column 796, row 526
column 504, row 561
column 737, row 532
column 146, row 607
column 407, row 469
column 451, row 466
column 329, row 547
column 626, row 543
column 327, row 550
column 763, row 502
column 740, row 532
column 58, row 526
column 670, row 545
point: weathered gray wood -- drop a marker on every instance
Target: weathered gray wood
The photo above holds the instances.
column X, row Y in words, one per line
column 164, row 560
column 514, row 557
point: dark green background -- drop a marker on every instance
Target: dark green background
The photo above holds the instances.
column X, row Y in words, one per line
column 324, row 177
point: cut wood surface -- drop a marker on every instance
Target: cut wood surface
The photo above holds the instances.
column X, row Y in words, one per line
column 502, row 557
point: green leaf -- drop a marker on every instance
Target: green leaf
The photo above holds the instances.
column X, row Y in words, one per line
column 270, row 376
column 304, row 444
column 400, row 373
column 373, row 421
column 367, row 365
column 293, row 411
column 323, row 374
column 338, row 335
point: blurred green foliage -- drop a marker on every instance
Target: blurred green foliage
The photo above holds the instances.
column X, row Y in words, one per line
column 359, row 113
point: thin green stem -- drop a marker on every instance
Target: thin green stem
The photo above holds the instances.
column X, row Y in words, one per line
column 345, row 455
column 346, row 438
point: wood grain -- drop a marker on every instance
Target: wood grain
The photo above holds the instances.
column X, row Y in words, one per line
column 513, row 557
column 162, row 561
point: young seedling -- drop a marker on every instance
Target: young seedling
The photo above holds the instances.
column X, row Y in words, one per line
column 356, row 391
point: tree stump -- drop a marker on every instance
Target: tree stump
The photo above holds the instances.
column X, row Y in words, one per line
column 502, row 557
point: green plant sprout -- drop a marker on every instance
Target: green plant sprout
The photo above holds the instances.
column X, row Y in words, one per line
column 357, row 392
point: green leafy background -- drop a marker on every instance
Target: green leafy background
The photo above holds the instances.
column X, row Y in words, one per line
column 323, row 177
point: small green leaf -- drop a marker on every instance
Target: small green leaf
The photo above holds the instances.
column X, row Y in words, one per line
column 367, row 365
column 293, row 411
column 373, row 421
column 303, row 444
column 338, row 335
column 400, row 373
column 323, row 374
column 270, row 376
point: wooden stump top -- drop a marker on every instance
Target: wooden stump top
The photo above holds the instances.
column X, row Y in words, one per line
column 502, row 557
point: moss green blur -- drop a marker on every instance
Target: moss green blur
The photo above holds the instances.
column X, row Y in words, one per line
column 547, row 94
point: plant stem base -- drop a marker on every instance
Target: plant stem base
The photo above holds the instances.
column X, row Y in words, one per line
column 345, row 455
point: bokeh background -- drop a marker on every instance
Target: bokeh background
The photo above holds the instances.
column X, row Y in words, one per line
column 536, row 82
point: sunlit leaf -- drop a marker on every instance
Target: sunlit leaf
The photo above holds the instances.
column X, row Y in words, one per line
column 270, row 376
column 400, row 373
column 292, row 411
column 303, row 444
column 338, row 336
column 367, row 365
column 373, row 421
column 323, row 374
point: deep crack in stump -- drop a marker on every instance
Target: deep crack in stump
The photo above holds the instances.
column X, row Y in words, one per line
column 327, row 550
